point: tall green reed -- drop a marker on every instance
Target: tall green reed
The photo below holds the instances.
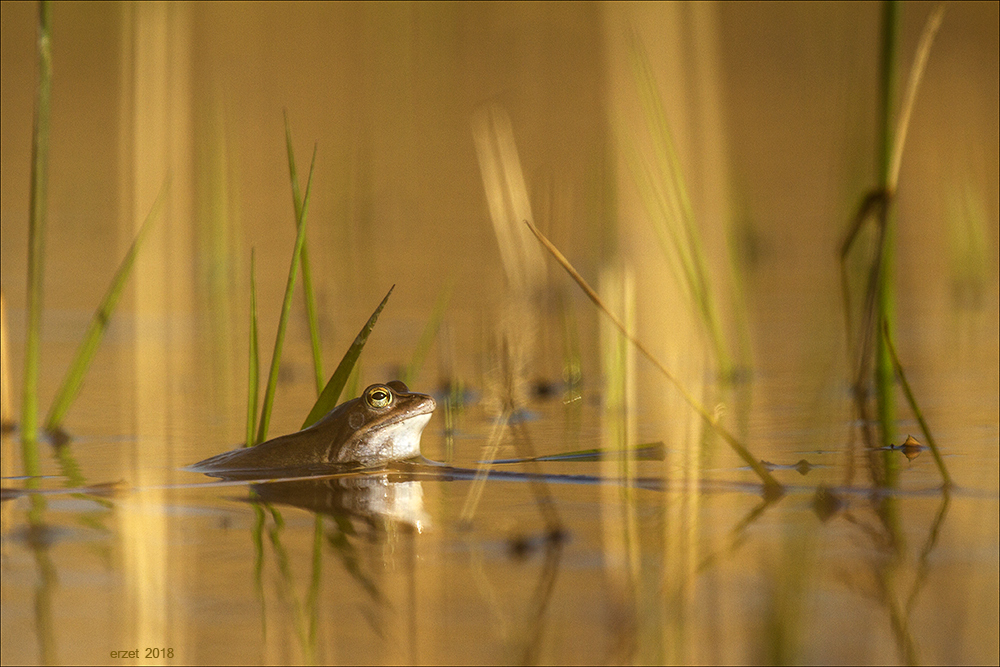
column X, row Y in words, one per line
column 73, row 380
column 36, row 241
column 307, row 283
column 329, row 394
column 886, row 298
column 874, row 358
column 286, row 309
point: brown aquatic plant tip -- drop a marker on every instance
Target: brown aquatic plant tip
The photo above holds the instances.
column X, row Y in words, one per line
column 772, row 487
column 911, row 448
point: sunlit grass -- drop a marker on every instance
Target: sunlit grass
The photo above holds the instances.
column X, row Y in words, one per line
column 664, row 193
column 328, row 395
column 523, row 263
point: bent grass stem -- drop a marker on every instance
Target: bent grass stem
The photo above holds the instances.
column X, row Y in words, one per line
column 772, row 488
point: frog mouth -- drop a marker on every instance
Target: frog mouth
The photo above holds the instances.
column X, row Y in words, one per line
column 424, row 410
column 398, row 420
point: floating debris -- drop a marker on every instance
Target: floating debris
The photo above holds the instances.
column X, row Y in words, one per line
column 825, row 503
column 910, row 448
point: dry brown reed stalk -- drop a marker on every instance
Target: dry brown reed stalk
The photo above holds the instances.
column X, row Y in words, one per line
column 772, row 488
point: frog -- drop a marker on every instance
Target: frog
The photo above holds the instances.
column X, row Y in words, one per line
column 380, row 427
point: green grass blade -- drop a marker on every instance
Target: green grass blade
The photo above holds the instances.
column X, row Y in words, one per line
column 286, row 309
column 307, row 284
column 36, row 242
column 253, row 376
column 99, row 323
column 331, row 393
column 884, row 372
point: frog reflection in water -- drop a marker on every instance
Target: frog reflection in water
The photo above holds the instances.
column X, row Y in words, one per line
column 381, row 426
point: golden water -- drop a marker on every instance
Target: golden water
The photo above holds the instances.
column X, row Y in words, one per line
column 772, row 111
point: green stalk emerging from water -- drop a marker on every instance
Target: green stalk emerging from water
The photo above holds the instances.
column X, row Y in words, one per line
column 884, row 376
column 307, row 284
column 99, row 322
column 878, row 310
column 36, row 242
column 286, row 309
column 253, row 375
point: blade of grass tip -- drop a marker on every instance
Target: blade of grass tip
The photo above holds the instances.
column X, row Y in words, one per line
column 331, row 393
column 286, row 309
column 307, row 284
column 668, row 164
column 36, row 242
column 911, row 399
column 429, row 333
column 99, row 322
column 912, row 84
column 353, row 386
column 253, row 375
column 773, row 488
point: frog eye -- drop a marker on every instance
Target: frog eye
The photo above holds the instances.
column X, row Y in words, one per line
column 378, row 396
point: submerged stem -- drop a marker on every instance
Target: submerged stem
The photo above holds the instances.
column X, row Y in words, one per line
column 911, row 399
